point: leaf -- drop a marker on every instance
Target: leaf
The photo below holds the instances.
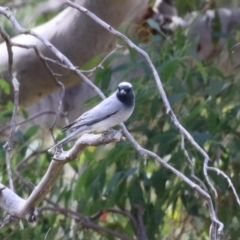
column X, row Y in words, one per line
column 216, row 87
column 201, row 137
column 155, row 105
column 129, row 172
column 190, row 202
column 176, row 98
column 103, row 77
column 136, row 192
column 92, row 63
column 153, row 24
column 216, row 27
column 113, row 182
column 202, row 71
column 5, row 86
column 169, row 67
column 30, row 132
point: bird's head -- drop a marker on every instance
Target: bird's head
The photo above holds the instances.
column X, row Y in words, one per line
column 124, row 88
column 125, row 93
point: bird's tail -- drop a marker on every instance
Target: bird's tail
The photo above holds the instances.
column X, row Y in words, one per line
column 76, row 133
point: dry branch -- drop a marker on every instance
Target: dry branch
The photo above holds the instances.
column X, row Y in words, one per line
column 27, row 209
column 86, row 221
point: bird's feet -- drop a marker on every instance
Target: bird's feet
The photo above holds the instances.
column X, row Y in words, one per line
column 57, row 151
column 109, row 131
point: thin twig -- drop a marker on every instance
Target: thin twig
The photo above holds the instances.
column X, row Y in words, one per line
column 62, row 93
column 22, row 166
column 30, row 119
column 9, row 144
column 100, row 65
column 48, row 231
column 201, row 183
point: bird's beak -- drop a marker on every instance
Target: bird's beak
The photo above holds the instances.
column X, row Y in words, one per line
column 123, row 92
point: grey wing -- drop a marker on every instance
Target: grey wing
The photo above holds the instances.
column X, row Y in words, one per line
column 103, row 110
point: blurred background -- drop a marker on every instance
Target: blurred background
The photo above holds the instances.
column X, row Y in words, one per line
column 194, row 47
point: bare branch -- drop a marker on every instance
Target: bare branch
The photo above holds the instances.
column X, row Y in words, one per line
column 62, row 93
column 142, row 235
column 26, row 209
column 9, row 144
column 4, row 128
column 201, row 183
column 86, row 222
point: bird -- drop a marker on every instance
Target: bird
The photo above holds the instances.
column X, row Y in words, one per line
column 112, row 111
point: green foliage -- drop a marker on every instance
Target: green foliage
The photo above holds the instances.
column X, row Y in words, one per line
column 185, row 7
column 4, row 86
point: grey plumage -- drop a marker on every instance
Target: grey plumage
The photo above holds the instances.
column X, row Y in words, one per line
column 113, row 110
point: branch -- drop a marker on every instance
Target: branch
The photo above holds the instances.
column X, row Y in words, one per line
column 9, row 144
column 27, row 209
column 142, row 235
column 201, row 183
column 4, row 128
column 62, row 93
column 86, row 222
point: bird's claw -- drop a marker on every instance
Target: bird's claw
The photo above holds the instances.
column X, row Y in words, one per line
column 109, row 130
